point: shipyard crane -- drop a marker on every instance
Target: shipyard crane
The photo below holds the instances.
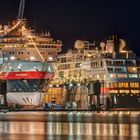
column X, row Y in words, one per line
column 21, row 9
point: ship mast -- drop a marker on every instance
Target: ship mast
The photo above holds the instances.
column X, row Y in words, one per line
column 21, row 9
column 20, row 17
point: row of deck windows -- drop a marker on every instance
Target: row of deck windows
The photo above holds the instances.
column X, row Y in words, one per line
column 123, row 75
column 63, row 67
column 125, row 85
column 71, row 59
column 49, row 53
column 118, row 69
column 120, row 63
column 96, row 64
column 79, row 65
column 18, row 53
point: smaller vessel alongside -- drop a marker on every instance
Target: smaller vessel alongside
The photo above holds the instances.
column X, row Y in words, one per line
column 110, row 62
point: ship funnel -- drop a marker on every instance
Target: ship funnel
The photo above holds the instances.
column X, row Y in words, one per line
column 122, row 46
column 116, row 40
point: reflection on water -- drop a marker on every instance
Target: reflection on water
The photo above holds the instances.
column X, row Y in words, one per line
column 68, row 131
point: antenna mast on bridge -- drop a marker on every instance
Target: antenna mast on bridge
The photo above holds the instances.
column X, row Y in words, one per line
column 21, row 9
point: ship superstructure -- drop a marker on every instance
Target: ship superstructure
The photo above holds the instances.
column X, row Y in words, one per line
column 111, row 63
column 26, row 62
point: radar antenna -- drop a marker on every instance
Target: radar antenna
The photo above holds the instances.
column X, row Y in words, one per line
column 21, row 9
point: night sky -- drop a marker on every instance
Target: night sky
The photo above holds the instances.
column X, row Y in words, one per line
column 70, row 20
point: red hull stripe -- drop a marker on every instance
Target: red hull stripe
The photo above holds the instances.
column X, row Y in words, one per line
column 104, row 89
column 25, row 75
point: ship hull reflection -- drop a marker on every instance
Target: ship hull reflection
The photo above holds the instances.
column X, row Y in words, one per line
column 69, row 130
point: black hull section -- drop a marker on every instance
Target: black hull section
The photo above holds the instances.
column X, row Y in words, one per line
column 126, row 101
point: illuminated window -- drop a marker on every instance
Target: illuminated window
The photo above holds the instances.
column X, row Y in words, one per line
column 112, row 75
column 132, row 69
column 12, row 58
column 113, row 91
column 120, row 85
column 114, row 85
column 124, row 91
column 122, row 75
column 123, row 85
column 126, row 85
column 133, row 76
column 134, row 85
column 135, row 91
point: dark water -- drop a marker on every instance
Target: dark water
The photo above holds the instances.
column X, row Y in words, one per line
column 70, row 126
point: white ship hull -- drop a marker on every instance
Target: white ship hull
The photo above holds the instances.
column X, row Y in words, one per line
column 24, row 98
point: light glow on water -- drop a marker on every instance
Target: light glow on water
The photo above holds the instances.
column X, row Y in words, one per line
column 70, row 129
column 73, row 126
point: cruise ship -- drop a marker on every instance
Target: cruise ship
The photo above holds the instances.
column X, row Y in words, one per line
column 110, row 62
column 26, row 62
